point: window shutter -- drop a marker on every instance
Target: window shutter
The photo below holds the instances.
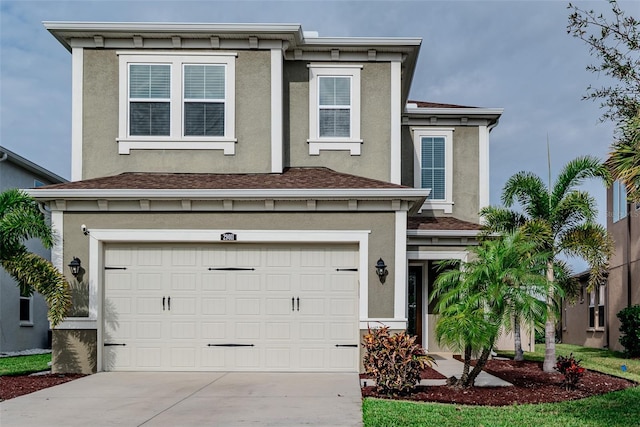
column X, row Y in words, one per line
column 433, row 166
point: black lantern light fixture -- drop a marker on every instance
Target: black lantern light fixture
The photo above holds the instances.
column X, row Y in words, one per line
column 74, row 266
column 381, row 270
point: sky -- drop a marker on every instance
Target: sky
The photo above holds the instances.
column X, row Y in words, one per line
column 514, row 55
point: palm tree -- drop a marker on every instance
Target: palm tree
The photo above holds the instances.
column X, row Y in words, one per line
column 477, row 299
column 560, row 218
column 624, row 158
column 20, row 220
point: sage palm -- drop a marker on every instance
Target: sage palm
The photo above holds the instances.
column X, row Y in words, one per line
column 560, row 218
column 20, row 220
column 476, row 300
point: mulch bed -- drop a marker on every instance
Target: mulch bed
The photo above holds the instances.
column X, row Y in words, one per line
column 426, row 374
column 14, row 386
column 530, row 385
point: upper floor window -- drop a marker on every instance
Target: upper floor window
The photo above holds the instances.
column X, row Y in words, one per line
column 334, row 108
column 596, row 307
column 170, row 101
column 619, row 210
column 433, row 166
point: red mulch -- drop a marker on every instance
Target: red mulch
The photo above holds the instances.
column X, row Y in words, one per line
column 14, row 386
column 530, row 385
column 426, row 374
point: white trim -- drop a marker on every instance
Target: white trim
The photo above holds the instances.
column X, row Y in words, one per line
column 101, row 236
column 353, row 142
column 483, row 167
column 277, row 150
column 400, row 273
column 417, row 133
column 395, row 158
column 176, row 140
column 443, row 233
column 464, row 111
column 376, row 323
column 57, row 228
column 436, row 255
column 77, row 69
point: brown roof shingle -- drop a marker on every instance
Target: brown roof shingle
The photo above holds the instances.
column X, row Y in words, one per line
column 291, row 178
column 440, row 223
column 427, row 104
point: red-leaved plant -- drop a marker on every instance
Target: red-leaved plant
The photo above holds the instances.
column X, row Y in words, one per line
column 571, row 369
column 394, row 361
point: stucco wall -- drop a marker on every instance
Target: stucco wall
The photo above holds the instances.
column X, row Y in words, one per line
column 575, row 325
column 466, row 192
column 74, row 351
column 381, row 240
column 375, row 124
column 100, row 123
column 13, row 336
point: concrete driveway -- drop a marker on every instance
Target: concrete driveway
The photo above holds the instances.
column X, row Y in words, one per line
column 192, row 399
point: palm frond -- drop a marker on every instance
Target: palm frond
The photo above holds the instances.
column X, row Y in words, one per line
column 575, row 208
column 575, row 172
column 529, row 191
column 591, row 242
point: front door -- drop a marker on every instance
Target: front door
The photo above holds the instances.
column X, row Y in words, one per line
column 414, row 309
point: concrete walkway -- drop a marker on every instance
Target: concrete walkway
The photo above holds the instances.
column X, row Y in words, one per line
column 449, row 367
column 191, row 399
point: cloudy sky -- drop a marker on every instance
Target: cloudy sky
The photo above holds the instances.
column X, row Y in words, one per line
column 514, row 55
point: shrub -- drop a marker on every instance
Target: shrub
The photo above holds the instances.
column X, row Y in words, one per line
column 630, row 328
column 571, row 369
column 394, row 361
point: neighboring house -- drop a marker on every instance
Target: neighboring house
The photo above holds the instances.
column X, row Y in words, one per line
column 583, row 320
column 598, row 324
column 254, row 197
column 23, row 320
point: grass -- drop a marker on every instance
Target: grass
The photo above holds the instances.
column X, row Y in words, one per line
column 615, row 409
column 21, row 365
column 596, row 359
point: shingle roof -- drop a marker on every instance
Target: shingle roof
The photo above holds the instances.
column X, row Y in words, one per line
column 291, row 178
column 440, row 223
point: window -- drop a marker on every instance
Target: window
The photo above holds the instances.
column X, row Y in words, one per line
column 596, row 308
column 433, row 166
column 619, row 201
column 334, row 108
column 175, row 102
column 26, row 312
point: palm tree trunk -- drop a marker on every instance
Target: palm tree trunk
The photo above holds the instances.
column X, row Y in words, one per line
column 517, row 338
column 467, row 365
column 484, row 356
column 550, row 328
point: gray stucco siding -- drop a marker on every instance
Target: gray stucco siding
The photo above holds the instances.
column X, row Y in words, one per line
column 466, row 192
column 381, row 241
column 375, row 123
column 100, row 123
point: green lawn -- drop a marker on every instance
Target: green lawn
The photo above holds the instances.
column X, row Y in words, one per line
column 20, row 365
column 621, row 408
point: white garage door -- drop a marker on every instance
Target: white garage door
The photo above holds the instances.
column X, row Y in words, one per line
column 231, row 307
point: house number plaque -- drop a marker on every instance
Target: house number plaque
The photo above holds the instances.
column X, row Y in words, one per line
column 228, row 237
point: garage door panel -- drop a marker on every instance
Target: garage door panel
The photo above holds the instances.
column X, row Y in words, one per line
column 247, row 306
column 149, row 281
column 214, row 306
column 183, row 282
column 214, row 282
column 248, row 282
column 247, row 330
column 231, row 307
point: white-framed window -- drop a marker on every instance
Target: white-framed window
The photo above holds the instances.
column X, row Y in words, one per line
column 433, row 166
column 619, row 208
column 26, row 310
column 596, row 308
column 173, row 102
column 334, row 108
column 37, row 183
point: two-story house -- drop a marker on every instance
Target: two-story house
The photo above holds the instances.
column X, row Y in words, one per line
column 23, row 319
column 254, row 197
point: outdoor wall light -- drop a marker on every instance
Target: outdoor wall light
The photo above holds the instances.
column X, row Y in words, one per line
column 381, row 270
column 74, row 266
